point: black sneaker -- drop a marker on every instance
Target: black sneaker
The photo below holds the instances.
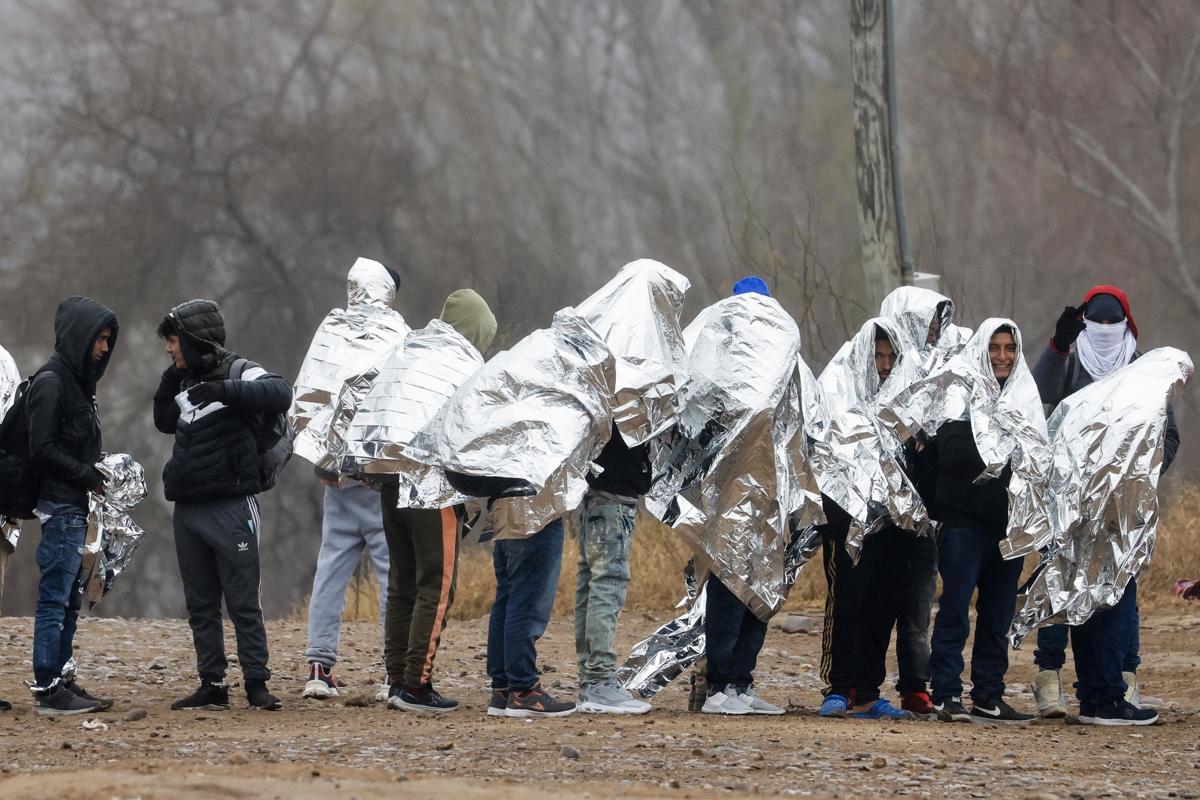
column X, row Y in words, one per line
column 56, row 700
column 498, row 703
column 998, row 712
column 1118, row 712
column 77, row 690
column 950, row 709
column 422, row 698
column 209, row 697
column 5, row 705
column 259, row 697
column 536, row 703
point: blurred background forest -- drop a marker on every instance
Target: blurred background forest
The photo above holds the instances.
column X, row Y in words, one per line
column 153, row 151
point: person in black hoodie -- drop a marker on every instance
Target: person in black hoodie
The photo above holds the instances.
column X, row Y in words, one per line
column 64, row 445
column 211, row 400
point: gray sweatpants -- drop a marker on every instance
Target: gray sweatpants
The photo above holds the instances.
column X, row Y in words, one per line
column 216, row 542
column 352, row 522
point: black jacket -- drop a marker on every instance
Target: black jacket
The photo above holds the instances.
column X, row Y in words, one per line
column 626, row 470
column 960, row 502
column 64, row 424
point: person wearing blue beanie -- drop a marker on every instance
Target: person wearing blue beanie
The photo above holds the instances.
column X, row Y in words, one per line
column 751, row 284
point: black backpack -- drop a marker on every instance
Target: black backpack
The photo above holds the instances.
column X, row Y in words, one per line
column 273, row 437
column 19, row 483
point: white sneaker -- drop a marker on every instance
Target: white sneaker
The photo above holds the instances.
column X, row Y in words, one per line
column 1133, row 690
column 1047, row 691
column 321, row 685
column 609, row 697
column 721, row 703
column 382, row 693
column 757, row 704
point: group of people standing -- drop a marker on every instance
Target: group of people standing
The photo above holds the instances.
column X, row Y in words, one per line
column 216, row 403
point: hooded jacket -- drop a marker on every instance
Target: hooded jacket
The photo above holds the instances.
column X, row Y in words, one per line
column 215, row 453
column 468, row 313
column 64, row 423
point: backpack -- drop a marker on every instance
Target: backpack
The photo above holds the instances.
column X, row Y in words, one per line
column 19, row 483
column 273, row 437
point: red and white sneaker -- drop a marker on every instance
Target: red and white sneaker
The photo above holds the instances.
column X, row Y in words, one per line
column 321, row 684
column 916, row 702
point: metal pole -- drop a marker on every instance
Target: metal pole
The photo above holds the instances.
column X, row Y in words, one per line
column 889, row 78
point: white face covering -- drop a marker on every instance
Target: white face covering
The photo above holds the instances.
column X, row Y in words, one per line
column 1104, row 349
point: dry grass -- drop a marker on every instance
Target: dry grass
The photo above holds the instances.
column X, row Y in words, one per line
column 1177, row 552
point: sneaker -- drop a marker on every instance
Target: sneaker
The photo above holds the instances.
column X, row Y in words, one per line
column 536, row 702
column 835, row 705
column 883, row 709
column 421, row 698
column 993, row 712
column 917, row 702
column 56, row 700
column 498, row 704
column 80, row 692
column 1133, row 689
column 1047, row 691
column 759, row 706
column 721, row 703
column 5, row 705
column 209, row 697
column 321, row 684
column 951, row 710
column 383, row 692
column 609, row 697
column 1118, row 712
column 258, row 696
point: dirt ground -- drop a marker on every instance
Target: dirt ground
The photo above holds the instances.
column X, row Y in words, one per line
column 313, row 749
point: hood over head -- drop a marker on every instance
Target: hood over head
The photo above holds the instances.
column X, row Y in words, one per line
column 201, row 331
column 850, row 379
column 469, row 314
column 371, row 283
column 1096, row 293
column 914, row 309
column 77, row 324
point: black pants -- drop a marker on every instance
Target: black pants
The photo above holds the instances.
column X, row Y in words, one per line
column 733, row 636
column 216, row 542
column 839, row 636
column 898, row 575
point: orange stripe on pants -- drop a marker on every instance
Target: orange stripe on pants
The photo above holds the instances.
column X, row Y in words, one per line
column 449, row 546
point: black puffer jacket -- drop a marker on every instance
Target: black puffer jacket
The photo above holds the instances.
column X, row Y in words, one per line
column 64, row 425
column 215, row 453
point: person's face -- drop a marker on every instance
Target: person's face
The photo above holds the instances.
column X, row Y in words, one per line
column 101, row 346
column 885, row 359
column 176, row 353
column 1002, row 352
column 935, row 330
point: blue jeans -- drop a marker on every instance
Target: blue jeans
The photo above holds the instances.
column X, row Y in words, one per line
column 605, row 539
column 1051, row 650
column 733, row 636
column 526, row 577
column 1100, row 650
column 60, row 591
column 970, row 559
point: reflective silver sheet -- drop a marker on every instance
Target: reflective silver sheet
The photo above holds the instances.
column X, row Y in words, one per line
column 859, row 464
column 1008, row 425
column 414, row 381
column 735, row 467
column 112, row 535
column 668, row 652
column 637, row 315
column 10, row 378
column 914, row 310
column 1103, row 494
column 540, row 412
column 346, row 345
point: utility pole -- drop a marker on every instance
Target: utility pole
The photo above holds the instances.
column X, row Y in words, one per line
column 886, row 261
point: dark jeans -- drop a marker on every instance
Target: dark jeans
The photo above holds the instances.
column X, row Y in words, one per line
column 216, row 542
column 733, row 636
column 898, row 573
column 843, row 598
column 1051, row 650
column 526, row 577
column 970, row 559
column 1100, row 650
column 60, row 594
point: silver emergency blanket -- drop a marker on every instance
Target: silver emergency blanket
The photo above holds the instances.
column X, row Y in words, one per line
column 112, row 535
column 733, row 476
column 859, row 465
column 10, row 378
column 345, row 348
column 920, row 313
column 1008, row 425
column 412, row 384
column 540, row 412
column 637, row 315
column 1103, row 493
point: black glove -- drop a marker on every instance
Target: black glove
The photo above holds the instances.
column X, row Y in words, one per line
column 1068, row 328
column 173, row 376
column 97, row 481
column 207, row 392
